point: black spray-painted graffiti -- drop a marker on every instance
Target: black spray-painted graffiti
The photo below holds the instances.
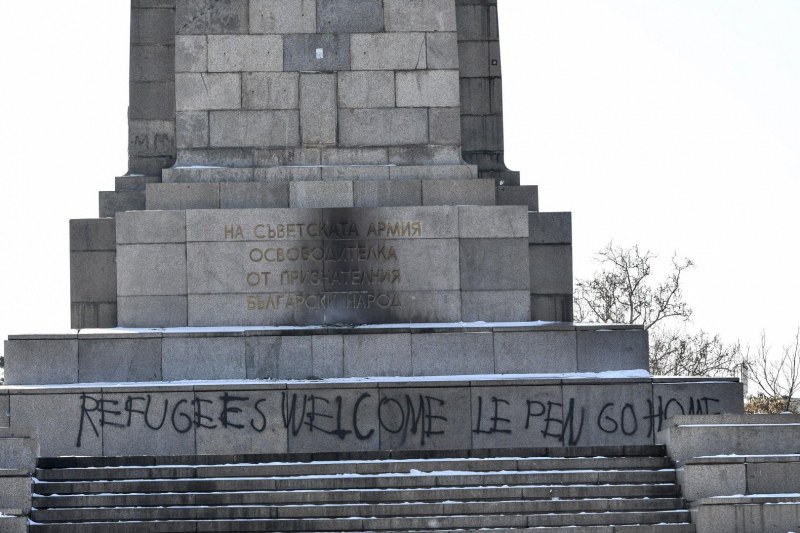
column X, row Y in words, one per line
column 410, row 419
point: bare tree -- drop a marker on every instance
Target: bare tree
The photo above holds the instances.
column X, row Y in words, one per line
column 777, row 377
column 625, row 291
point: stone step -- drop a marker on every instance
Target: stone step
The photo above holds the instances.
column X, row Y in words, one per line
column 529, row 492
column 336, row 467
column 436, row 479
column 448, row 508
column 433, row 522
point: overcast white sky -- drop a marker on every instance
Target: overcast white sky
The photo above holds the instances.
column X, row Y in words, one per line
column 675, row 125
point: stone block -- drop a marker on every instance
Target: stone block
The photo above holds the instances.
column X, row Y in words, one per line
column 191, row 53
column 527, row 195
column 228, row 160
column 152, row 62
column 604, row 350
column 383, row 127
column 151, row 100
column 231, row 129
column 535, row 352
column 427, row 161
column 551, row 307
column 514, row 416
column 149, row 167
column 321, row 194
column 317, row 52
column 473, row 59
column 420, row 15
column 434, row 418
column 151, row 227
column 445, row 125
column 133, row 183
column 270, row 90
column 447, row 354
column 92, row 235
column 700, row 481
column 612, row 415
column 204, row 91
column 119, row 360
column 245, row 53
column 241, row 422
column 211, row 176
column 151, row 138
column 253, row 195
column 65, row 424
column 203, row 358
column 191, row 129
column 41, row 362
column 494, row 264
column 458, row 192
column 328, row 356
column 349, row 16
column 180, row 196
column 377, row 355
column 150, row 311
column 487, row 222
column 152, row 26
column 355, row 173
column 442, row 50
column 355, row 156
column 286, row 174
column 476, row 96
column 769, row 478
column 151, row 423
column 93, row 276
column 387, row 193
column 428, row 88
column 286, row 156
column 692, row 398
column 388, row 51
column 4, row 411
column 336, row 420
column 283, row 16
column 14, row 524
column 151, row 270
column 93, row 315
column 551, row 269
column 318, row 109
column 111, row 202
column 281, row 357
column 15, row 491
column 495, row 306
column 550, row 228
column 366, row 89
column 211, row 17
column 20, row 449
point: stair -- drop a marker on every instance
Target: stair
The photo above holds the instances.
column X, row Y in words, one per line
column 598, row 490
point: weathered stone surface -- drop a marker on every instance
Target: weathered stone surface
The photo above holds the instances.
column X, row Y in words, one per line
column 20, row 448
column 151, row 138
column 203, row 91
column 305, row 194
column 420, row 15
column 428, row 88
column 112, row 202
column 318, row 109
column 151, row 227
column 4, row 412
column 387, row 193
column 245, row 53
column 486, row 222
column 458, row 192
column 365, row 89
column 286, row 174
column 493, row 264
column 705, row 480
column 152, row 62
column 93, row 276
column 535, row 352
column 210, row 225
column 328, row 356
column 191, row 129
column 355, row 156
column 282, row 357
column 241, row 422
column 119, row 360
column 152, row 26
column 383, row 127
column 92, row 235
column 445, row 125
column 41, row 361
column 58, row 422
column 711, row 398
column 287, row 155
column 230, row 129
column 527, row 195
column 211, row 16
column 551, row 308
column 283, row 16
column 270, row 90
column 442, row 50
column 550, row 228
column 388, row 51
column 425, row 418
column 603, row 350
column 203, row 358
column 151, row 270
column 551, row 269
column 93, row 315
column 349, row 16
column 495, row 306
column 355, row 173
column 770, row 477
column 146, row 311
column 15, row 492
column 316, row 52
column 452, row 354
column 377, row 355
column 151, row 100
column 191, row 53
column 253, row 195
column 155, row 423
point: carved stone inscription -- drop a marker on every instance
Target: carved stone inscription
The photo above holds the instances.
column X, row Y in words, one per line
column 371, row 418
column 325, row 267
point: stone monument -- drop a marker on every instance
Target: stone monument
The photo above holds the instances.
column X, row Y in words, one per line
column 318, row 248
